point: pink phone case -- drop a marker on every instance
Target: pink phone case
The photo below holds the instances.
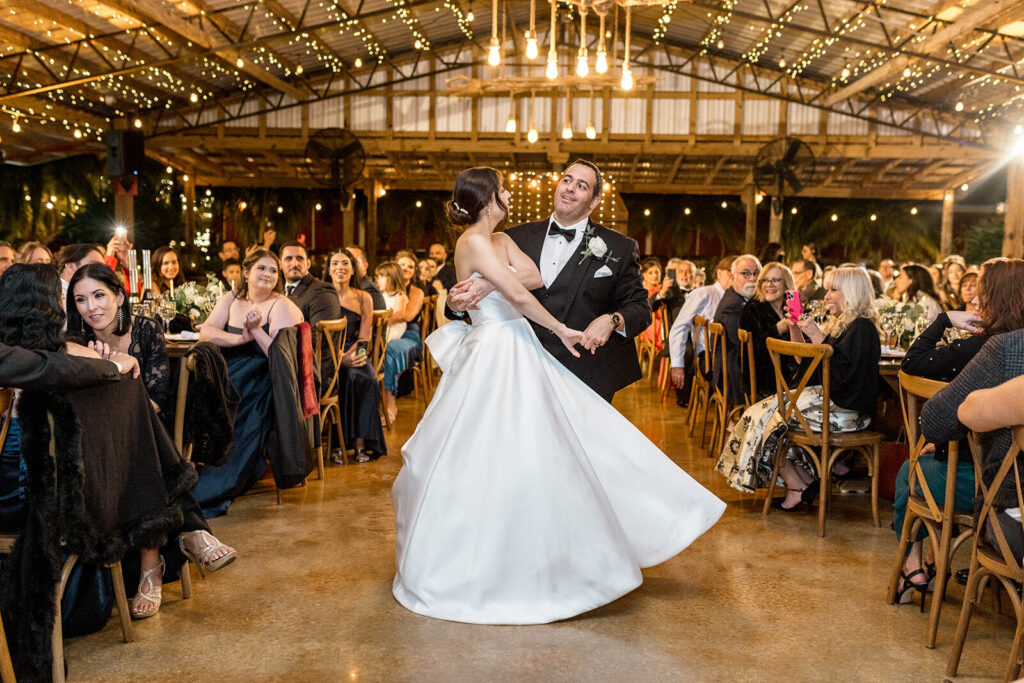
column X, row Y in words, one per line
column 793, row 305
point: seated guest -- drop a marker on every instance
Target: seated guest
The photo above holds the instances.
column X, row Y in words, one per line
column 807, row 275
column 358, row 389
column 766, row 316
column 231, row 272
column 445, row 271
column 745, row 270
column 244, row 324
column 773, row 251
column 367, row 283
column 968, row 292
column 31, row 316
column 166, row 271
column 316, row 299
column 404, row 344
column 672, row 291
column 915, row 285
column 953, row 269
column 852, row 333
column 809, row 252
column 71, row 258
column 426, row 276
column 116, row 258
column 33, row 252
column 683, row 346
column 650, row 273
column 1001, row 303
column 887, row 269
column 7, row 256
column 876, row 283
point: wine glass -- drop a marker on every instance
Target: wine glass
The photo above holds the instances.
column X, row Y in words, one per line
column 167, row 311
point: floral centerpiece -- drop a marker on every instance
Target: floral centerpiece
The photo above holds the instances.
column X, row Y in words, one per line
column 196, row 301
column 900, row 321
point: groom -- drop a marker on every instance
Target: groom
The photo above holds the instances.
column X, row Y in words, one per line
column 591, row 282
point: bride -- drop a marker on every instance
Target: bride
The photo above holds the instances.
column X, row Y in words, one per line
column 524, row 497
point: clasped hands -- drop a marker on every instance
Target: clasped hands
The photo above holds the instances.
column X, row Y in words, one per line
column 252, row 321
column 125, row 361
column 466, row 295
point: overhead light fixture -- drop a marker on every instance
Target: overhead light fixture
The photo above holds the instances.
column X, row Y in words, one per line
column 874, row 217
column 138, row 123
column 193, row 98
column 793, row 211
column 16, row 127
column 601, row 63
column 959, row 106
column 532, row 135
column 835, row 217
column 239, row 62
column 582, row 59
column 494, row 53
column 627, row 75
column 510, row 125
column 552, row 70
column 591, row 130
column 531, row 35
column 567, row 128
column 913, row 211
column 358, row 63
column 965, row 187
column 298, row 69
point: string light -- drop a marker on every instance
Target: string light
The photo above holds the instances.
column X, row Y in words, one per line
column 834, row 218
column 913, row 211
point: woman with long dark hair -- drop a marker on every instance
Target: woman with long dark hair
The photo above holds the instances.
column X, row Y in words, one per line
column 166, row 268
column 134, row 481
column 915, row 285
column 358, row 389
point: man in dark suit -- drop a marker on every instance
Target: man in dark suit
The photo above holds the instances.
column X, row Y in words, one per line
column 745, row 270
column 27, row 369
column 591, row 282
column 445, row 271
column 365, row 281
column 315, row 298
column 807, row 275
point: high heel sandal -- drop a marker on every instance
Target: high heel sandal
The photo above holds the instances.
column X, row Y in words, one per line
column 811, row 492
column 204, row 560
column 362, row 456
column 909, row 586
column 777, row 503
column 148, row 592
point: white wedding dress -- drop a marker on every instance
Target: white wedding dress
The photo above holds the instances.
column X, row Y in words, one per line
column 524, row 497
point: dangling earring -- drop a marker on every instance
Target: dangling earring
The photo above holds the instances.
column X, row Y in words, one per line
column 120, row 319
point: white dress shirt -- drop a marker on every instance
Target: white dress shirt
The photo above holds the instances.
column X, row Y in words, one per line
column 557, row 250
column 701, row 301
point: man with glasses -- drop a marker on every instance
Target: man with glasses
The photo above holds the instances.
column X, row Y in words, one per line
column 745, row 270
column 808, row 280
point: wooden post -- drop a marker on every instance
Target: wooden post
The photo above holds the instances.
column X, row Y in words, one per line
column 190, row 206
column 124, row 211
column 348, row 223
column 775, row 224
column 750, row 233
column 946, row 234
column 1013, row 231
column 371, row 222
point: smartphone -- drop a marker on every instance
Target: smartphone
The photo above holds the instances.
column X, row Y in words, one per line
column 671, row 274
column 362, row 347
column 120, row 232
column 793, row 305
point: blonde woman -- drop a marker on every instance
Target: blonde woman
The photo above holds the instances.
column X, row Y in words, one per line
column 33, row 252
column 852, row 332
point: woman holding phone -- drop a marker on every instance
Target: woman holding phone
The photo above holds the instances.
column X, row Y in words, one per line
column 358, row 389
column 768, row 314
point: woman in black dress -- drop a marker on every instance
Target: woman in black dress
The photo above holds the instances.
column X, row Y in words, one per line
column 1001, row 306
column 99, row 310
column 764, row 316
column 358, row 388
column 852, row 332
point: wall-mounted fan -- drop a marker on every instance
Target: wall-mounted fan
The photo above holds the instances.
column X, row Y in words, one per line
column 781, row 162
column 335, row 158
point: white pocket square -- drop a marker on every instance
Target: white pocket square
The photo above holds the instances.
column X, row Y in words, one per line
column 603, row 271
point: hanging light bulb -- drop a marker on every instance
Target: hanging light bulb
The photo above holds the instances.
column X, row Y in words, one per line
column 582, row 62
column 532, row 135
column 627, row 74
column 591, row 130
column 16, row 127
column 567, row 128
column 531, row 35
column 601, row 65
column 567, row 131
column 494, row 53
column 552, row 70
column 511, row 125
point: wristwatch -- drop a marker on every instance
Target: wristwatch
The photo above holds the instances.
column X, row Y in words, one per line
column 616, row 320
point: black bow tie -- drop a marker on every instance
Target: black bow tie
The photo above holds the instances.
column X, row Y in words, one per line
column 568, row 233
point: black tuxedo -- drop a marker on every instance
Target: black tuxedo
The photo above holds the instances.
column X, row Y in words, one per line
column 28, row 369
column 446, row 276
column 576, row 298
column 316, row 299
column 728, row 315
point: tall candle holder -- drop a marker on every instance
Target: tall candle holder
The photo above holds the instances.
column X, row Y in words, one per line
column 147, row 271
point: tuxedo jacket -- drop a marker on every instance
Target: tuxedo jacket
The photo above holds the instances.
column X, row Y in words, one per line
column 317, row 300
column 576, row 297
column 26, row 369
column 728, row 315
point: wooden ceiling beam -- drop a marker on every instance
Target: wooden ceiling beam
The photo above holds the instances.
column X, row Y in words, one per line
column 280, row 162
column 972, row 18
column 838, row 172
column 880, row 174
column 922, row 175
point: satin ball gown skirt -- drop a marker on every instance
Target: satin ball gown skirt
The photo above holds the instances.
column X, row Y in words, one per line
column 524, row 497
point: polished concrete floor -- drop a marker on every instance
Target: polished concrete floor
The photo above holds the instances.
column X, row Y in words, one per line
column 756, row 598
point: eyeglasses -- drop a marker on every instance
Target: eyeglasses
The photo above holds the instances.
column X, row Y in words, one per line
column 748, row 274
column 773, row 281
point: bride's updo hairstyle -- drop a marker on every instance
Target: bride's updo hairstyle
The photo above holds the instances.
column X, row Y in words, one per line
column 474, row 189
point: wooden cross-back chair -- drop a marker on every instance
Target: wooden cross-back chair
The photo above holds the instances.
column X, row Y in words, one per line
column 378, row 348
column 718, row 396
column 424, row 377
column 822, row 448
column 664, row 357
column 330, row 339
column 701, row 370
column 747, row 367
column 992, row 554
column 922, row 508
column 57, row 634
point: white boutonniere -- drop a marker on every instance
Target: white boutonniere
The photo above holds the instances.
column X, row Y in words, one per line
column 595, row 247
